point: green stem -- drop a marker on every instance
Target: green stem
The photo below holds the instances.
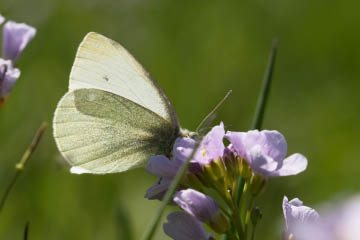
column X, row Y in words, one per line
column 237, row 222
column 253, row 232
column 248, row 212
column 265, row 89
column 225, row 211
column 243, row 202
column 235, row 211
column 239, row 189
column 231, row 236
column 19, row 167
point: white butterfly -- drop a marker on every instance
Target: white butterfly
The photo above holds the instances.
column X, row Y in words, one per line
column 114, row 116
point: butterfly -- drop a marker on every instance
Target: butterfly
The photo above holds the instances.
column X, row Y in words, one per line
column 114, row 116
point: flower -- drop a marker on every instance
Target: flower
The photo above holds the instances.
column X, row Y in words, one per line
column 15, row 38
column 340, row 222
column 211, row 147
column 203, row 208
column 265, row 152
column 166, row 169
column 296, row 213
column 8, row 77
column 197, row 204
column 213, row 162
column 2, row 19
column 183, row 226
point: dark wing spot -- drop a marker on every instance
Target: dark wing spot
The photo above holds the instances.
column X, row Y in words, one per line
column 106, row 78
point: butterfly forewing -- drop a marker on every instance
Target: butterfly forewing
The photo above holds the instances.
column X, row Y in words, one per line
column 104, row 64
column 101, row 132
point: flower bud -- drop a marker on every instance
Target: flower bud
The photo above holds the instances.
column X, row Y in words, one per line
column 220, row 224
column 256, row 215
column 244, row 168
column 257, row 184
column 203, row 208
column 215, row 171
column 232, row 165
column 193, row 181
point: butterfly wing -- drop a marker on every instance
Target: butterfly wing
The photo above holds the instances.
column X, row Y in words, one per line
column 114, row 116
column 104, row 64
column 100, row 132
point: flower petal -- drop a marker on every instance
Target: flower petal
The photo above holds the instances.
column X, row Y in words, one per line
column 296, row 214
column 158, row 190
column 161, row 166
column 2, row 19
column 213, row 142
column 197, row 204
column 272, row 143
column 9, row 76
column 15, row 38
column 182, row 226
column 292, row 165
column 261, row 163
column 183, row 148
column 237, row 142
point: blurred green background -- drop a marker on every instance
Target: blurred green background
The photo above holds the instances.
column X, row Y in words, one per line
column 197, row 51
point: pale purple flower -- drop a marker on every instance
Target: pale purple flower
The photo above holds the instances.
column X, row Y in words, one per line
column 341, row 222
column 198, row 205
column 183, row 226
column 158, row 190
column 2, row 19
column 8, row 77
column 265, row 152
column 166, row 169
column 15, row 38
column 296, row 213
column 211, row 147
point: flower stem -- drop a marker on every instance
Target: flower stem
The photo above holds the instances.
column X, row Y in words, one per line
column 248, row 213
column 265, row 89
column 19, row 167
column 243, row 202
column 253, row 232
column 239, row 189
column 226, row 212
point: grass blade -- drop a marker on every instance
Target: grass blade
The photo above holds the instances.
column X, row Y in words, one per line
column 21, row 165
column 265, row 89
column 26, row 231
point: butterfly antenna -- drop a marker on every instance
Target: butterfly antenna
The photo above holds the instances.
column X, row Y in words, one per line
column 211, row 116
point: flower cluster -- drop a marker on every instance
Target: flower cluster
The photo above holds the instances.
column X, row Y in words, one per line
column 340, row 222
column 15, row 38
column 236, row 172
